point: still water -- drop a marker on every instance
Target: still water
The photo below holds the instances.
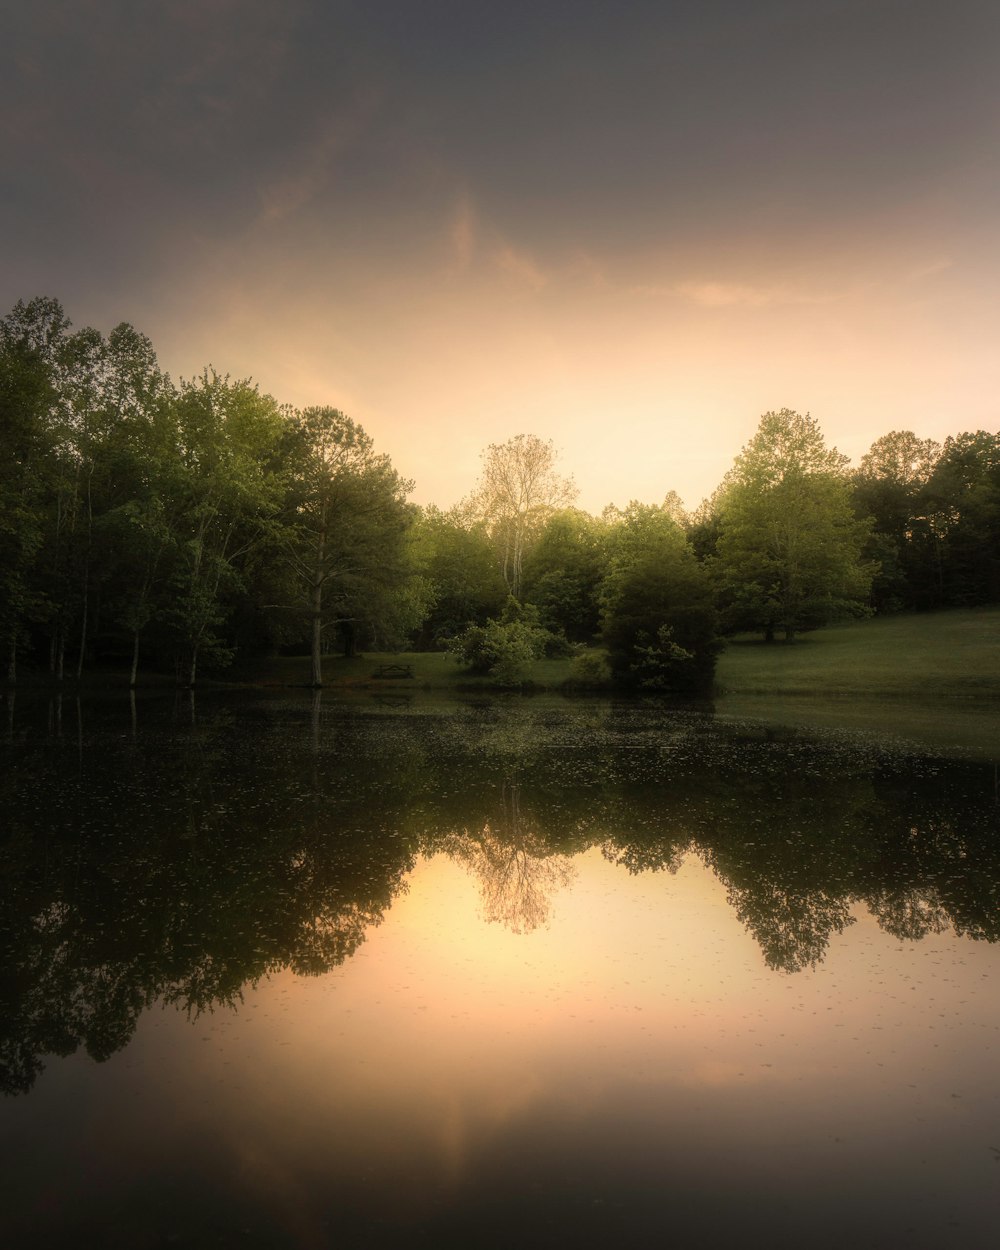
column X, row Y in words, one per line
column 291, row 973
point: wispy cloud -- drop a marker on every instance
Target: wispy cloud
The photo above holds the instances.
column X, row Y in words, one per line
column 517, row 264
column 471, row 242
column 732, row 294
column 314, row 164
column 930, row 269
column 463, row 230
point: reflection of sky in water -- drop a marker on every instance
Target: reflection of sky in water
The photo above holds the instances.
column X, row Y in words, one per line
column 629, row 1068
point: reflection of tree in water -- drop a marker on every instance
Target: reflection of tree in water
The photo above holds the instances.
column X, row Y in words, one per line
column 187, row 860
column 793, row 928
column 636, row 857
column 517, row 869
column 180, row 869
column 908, row 914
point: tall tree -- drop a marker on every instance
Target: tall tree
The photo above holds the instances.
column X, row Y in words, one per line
column 230, row 485
column 31, row 338
column 563, row 572
column 519, row 488
column 789, row 549
column 889, row 486
column 457, row 561
column 347, row 539
column 962, row 502
column 137, row 528
column 659, row 619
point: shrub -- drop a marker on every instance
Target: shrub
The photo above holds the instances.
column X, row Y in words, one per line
column 501, row 649
column 589, row 670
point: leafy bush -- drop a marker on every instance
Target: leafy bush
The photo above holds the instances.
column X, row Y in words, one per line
column 589, row 670
column 663, row 665
column 501, row 649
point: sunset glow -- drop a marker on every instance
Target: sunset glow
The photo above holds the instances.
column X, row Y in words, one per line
column 631, row 231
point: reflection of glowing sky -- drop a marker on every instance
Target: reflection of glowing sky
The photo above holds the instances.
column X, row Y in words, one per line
column 637, row 228
column 643, row 1007
column 635, row 1046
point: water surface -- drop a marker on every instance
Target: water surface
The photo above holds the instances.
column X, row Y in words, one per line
column 290, row 972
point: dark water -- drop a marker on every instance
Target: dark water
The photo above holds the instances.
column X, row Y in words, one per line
column 282, row 973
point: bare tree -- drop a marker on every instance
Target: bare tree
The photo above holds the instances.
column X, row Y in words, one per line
column 518, row 489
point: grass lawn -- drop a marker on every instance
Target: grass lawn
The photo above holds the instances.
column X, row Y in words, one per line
column 953, row 654
column 431, row 670
column 933, row 656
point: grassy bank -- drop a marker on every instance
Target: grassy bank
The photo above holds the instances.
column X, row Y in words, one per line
column 954, row 654
column 944, row 655
column 433, row 670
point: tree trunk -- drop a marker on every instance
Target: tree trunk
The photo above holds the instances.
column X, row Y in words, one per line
column 317, row 707
column 316, row 611
column 316, row 678
column 83, row 627
column 135, row 660
column 769, row 633
column 12, row 661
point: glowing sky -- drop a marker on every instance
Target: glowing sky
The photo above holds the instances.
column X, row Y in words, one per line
column 628, row 227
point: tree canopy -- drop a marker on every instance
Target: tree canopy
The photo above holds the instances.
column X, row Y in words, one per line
column 789, row 548
column 182, row 523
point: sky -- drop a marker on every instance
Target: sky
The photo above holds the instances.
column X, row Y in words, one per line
column 630, row 227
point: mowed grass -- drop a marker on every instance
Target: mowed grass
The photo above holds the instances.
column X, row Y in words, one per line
column 953, row 654
column 431, row 670
column 943, row 655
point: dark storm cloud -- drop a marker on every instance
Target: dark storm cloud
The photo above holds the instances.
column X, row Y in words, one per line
column 452, row 215
column 128, row 125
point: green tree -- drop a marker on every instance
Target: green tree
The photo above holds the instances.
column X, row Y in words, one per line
column 458, row 563
column 789, row 548
column 659, row 620
column 230, row 486
column 138, row 526
column 347, row 536
column 31, row 337
column 889, row 487
column 563, row 573
column 962, row 503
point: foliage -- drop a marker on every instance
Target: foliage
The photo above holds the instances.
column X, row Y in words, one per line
column 229, row 495
column 345, row 540
column 789, row 550
column 589, row 670
column 962, row 504
column 458, row 565
column 502, row 648
column 563, row 571
column 190, row 522
column 662, row 664
column 659, row 620
column 29, row 337
column 890, row 488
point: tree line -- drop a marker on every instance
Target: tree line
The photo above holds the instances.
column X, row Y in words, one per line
column 182, row 524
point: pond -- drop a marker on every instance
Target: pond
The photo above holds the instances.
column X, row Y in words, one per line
column 292, row 972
